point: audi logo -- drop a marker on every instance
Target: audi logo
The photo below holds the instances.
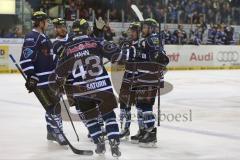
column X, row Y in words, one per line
column 227, row 56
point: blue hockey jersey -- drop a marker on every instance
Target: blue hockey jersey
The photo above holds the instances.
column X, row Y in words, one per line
column 58, row 48
column 146, row 60
column 37, row 57
column 59, row 45
column 150, row 48
column 83, row 58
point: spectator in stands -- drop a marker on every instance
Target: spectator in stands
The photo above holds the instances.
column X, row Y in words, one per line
column 100, row 13
column 15, row 32
column 196, row 36
column 147, row 11
column 173, row 13
column 229, row 32
column 83, row 11
column 225, row 12
column 221, row 36
column 179, row 35
column 115, row 15
column 71, row 12
column 167, row 35
column 210, row 16
column 158, row 12
column 211, row 34
column 18, row 32
column 10, row 33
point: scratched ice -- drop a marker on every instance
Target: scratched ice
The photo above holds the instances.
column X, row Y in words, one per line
column 206, row 106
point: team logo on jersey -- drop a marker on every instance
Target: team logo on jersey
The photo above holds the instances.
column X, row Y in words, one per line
column 27, row 52
column 81, row 46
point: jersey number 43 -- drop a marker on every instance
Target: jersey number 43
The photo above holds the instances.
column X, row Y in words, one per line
column 92, row 67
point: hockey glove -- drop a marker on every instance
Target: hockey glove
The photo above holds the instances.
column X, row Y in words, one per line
column 31, row 83
column 100, row 23
column 161, row 58
column 125, row 55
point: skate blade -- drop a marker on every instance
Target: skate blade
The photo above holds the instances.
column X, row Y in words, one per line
column 148, row 145
column 116, row 156
column 126, row 138
column 134, row 141
column 101, row 153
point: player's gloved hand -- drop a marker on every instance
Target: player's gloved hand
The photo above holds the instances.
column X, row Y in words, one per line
column 161, row 58
column 126, row 54
column 125, row 42
column 100, row 23
column 31, row 83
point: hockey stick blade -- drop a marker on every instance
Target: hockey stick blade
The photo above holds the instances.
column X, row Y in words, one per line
column 76, row 151
column 137, row 12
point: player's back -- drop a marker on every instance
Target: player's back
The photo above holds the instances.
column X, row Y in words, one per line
column 83, row 57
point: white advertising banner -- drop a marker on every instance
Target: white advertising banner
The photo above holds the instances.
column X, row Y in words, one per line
column 205, row 56
column 181, row 56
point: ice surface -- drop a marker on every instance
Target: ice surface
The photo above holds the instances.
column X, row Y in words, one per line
column 213, row 97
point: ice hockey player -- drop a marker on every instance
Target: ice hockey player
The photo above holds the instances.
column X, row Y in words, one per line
column 148, row 79
column 62, row 38
column 126, row 96
column 92, row 87
column 37, row 63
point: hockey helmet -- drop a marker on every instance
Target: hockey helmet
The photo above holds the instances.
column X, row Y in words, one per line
column 80, row 26
column 39, row 16
column 150, row 22
column 136, row 26
column 59, row 22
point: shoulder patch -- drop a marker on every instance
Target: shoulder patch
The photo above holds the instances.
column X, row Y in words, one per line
column 27, row 52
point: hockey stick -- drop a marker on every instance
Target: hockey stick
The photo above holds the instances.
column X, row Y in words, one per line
column 69, row 117
column 159, row 39
column 76, row 151
column 137, row 12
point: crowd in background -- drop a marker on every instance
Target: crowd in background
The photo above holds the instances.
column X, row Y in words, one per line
column 191, row 11
column 14, row 32
column 199, row 13
column 198, row 34
column 215, row 35
column 218, row 14
column 168, row 11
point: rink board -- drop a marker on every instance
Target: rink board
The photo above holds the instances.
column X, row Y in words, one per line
column 182, row 57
